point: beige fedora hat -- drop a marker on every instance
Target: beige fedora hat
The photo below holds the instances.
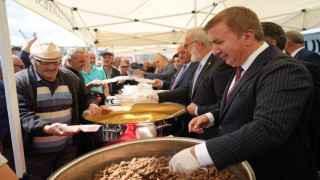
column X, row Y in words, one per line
column 46, row 51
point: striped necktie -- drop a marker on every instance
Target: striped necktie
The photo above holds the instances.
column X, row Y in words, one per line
column 238, row 75
column 178, row 77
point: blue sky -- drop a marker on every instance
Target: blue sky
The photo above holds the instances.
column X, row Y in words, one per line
column 29, row 22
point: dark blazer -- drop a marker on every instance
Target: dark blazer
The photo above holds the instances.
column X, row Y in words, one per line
column 309, row 56
column 265, row 120
column 171, row 76
column 113, row 87
column 208, row 91
column 184, row 80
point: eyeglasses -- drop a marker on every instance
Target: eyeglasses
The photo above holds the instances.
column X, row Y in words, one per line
column 19, row 66
column 124, row 66
column 43, row 63
column 187, row 45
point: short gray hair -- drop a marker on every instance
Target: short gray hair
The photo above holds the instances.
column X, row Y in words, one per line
column 197, row 33
column 72, row 51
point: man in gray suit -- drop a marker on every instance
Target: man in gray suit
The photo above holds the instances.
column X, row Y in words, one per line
column 264, row 109
column 209, row 79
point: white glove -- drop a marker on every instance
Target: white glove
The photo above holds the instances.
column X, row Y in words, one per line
column 184, row 162
column 152, row 97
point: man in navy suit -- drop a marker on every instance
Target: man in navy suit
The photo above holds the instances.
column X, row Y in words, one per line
column 295, row 47
column 265, row 108
column 183, row 75
column 274, row 34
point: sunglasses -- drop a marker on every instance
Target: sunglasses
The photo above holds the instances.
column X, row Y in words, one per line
column 125, row 66
column 187, row 45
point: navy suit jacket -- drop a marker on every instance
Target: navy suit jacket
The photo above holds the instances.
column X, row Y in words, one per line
column 309, row 56
column 265, row 120
column 184, row 80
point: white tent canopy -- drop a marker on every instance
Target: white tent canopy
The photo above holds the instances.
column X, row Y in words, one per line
column 152, row 26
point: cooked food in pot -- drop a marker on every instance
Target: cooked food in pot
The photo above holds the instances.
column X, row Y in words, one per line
column 151, row 168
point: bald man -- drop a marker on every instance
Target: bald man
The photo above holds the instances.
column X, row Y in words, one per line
column 165, row 69
column 92, row 57
column 295, row 47
column 17, row 65
column 183, row 74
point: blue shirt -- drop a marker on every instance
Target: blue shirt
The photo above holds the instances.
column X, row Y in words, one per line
column 95, row 73
column 4, row 120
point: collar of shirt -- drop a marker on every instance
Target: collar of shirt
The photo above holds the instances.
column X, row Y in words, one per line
column 296, row 51
column 38, row 78
column 252, row 57
column 91, row 71
column 205, row 59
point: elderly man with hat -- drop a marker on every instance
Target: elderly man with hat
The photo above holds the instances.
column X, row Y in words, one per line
column 48, row 98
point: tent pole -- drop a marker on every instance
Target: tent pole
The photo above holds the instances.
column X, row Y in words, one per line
column 195, row 13
column 11, row 95
column 96, row 53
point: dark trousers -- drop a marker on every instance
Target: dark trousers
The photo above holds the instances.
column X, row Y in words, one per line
column 40, row 166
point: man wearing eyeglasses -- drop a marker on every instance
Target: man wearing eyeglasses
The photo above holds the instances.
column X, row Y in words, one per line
column 5, row 136
column 49, row 98
column 209, row 79
column 124, row 66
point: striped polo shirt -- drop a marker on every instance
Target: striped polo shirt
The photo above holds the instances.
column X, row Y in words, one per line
column 54, row 105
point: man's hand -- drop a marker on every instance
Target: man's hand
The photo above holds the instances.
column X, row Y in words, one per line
column 157, row 83
column 152, row 98
column 94, row 110
column 184, row 161
column 54, row 129
column 26, row 47
column 121, row 81
column 198, row 123
column 105, row 109
column 139, row 73
column 191, row 109
column 94, row 83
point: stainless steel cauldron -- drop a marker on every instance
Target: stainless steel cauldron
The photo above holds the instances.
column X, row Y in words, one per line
column 87, row 165
column 112, row 132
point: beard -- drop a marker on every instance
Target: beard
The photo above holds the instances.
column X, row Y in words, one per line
column 195, row 55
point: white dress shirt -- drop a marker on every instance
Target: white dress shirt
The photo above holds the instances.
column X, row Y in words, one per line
column 201, row 149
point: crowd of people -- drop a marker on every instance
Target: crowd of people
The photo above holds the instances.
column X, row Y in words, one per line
column 251, row 90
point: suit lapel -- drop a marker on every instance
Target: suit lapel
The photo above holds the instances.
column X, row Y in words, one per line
column 208, row 64
column 175, row 76
column 224, row 97
column 189, row 69
column 260, row 61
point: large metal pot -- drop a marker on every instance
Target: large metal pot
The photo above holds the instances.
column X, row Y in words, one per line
column 89, row 164
column 112, row 132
